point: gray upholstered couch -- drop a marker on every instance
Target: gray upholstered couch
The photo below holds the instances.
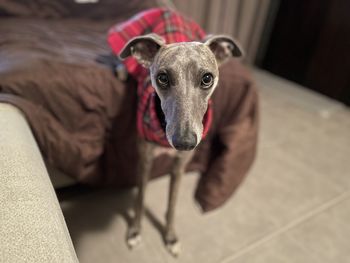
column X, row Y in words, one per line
column 32, row 227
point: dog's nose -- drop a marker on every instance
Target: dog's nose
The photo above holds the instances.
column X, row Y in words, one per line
column 185, row 143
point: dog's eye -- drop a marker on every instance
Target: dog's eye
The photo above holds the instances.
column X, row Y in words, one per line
column 207, row 80
column 163, row 79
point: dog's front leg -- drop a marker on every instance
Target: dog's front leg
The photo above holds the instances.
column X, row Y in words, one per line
column 143, row 170
column 171, row 241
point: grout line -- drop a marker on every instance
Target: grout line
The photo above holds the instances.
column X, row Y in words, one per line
column 287, row 227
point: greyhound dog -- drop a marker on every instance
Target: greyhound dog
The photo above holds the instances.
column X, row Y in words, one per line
column 184, row 76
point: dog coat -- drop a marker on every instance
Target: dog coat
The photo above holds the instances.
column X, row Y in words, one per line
column 173, row 28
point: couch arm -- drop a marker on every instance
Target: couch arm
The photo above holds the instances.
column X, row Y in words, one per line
column 32, row 227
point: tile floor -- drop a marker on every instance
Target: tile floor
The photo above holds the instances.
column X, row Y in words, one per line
column 293, row 207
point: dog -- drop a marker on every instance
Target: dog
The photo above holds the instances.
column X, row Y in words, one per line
column 184, row 75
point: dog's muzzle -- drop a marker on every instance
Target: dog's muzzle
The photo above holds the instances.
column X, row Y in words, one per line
column 184, row 143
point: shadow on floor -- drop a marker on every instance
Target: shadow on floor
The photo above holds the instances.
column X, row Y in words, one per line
column 89, row 211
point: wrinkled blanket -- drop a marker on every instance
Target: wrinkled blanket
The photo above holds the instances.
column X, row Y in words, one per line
column 84, row 119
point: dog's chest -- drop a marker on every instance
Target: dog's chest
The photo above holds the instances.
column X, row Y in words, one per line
column 159, row 150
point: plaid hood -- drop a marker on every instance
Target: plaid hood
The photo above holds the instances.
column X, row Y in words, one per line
column 173, row 28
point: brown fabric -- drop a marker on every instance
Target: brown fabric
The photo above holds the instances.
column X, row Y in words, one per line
column 83, row 118
column 55, row 9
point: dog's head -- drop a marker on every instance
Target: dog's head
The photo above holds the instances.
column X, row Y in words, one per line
column 184, row 76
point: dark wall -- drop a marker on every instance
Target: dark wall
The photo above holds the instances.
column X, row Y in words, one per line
column 310, row 44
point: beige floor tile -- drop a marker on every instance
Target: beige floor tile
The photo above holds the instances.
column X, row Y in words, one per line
column 284, row 188
column 327, row 234
column 322, row 238
column 312, row 129
column 279, row 250
column 98, row 222
column 271, row 196
column 287, row 107
column 98, row 226
column 277, row 91
column 324, row 146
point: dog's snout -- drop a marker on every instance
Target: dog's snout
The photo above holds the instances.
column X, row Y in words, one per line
column 185, row 143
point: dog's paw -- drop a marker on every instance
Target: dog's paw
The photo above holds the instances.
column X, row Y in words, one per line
column 133, row 239
column 174, row 247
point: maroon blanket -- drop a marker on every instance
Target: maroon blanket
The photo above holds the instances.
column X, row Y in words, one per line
column 84, row 119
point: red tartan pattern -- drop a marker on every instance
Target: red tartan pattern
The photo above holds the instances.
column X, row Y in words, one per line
column 173, row 28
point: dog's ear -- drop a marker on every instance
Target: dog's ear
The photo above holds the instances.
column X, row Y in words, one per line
column 143, row 48
column 223, row 47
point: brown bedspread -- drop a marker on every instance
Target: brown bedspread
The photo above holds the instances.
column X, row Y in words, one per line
column 83, row 118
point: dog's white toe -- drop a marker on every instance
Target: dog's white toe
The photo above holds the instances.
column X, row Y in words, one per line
column 133, row 241
column 174, row 248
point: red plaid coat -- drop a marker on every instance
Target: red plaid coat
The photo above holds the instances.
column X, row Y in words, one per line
column 173, row 28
